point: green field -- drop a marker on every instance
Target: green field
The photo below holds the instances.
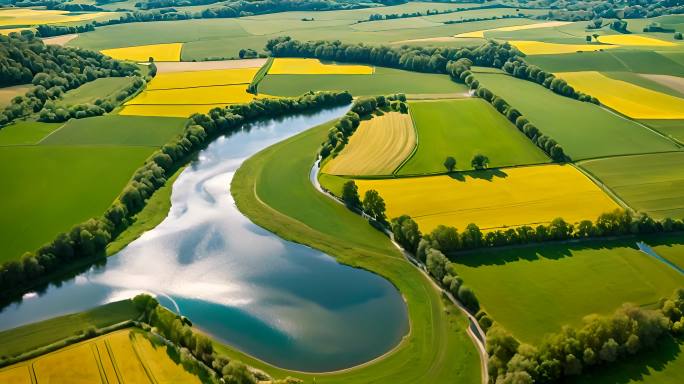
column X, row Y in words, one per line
column 672, row 128
column 649, row 183
column 28, row 337
column 535, row 290
column 117, row 130
column 49, row 189
column 462, row 129
column 101, row 88
column 610, row 61
column 26, row 132
column 437, row 348
column 383, row 81
column 583, row 129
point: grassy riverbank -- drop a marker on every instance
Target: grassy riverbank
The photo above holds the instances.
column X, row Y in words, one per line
column 273, row 189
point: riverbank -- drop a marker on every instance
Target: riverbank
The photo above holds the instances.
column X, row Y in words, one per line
column 272, row 188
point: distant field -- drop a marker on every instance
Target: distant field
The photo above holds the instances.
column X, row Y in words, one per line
column 524, row 26
column 28, row 337
column 493, row 199
column 170, row 110
column 462, row 129
column 295, row 66
column 28, row 17
column 544, row 48
column 377, row 147
column 97, row 89
column 9, row 93
column 219, row 94
column 673, row 128
column 650, row 183
column 634, row 40
column 629, row 99
column 160, row 52
column 383, row 81
column 117, row 130
column 206, row 78
column 50, row 189
column 124, row 356
column 611, row 60
column 659, row 83
column 583, row 129
column 535, row 290
column 26, row 132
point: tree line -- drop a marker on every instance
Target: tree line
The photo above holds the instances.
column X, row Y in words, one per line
column 88, row 240
column 459, row 71
column 179, row 331
column 52, row 70
column 428, row 12
column 576, row 10
column 601, row 341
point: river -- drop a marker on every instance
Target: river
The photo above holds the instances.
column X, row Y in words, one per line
column 284, row 303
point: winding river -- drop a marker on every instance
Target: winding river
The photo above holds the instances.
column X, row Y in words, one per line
column 284, row 303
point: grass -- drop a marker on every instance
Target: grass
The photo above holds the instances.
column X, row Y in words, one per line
column 273, row 189
column 168, row 110
column 462, row 129
column 101, row 88
column 124, row 356
column 648, row 183
column 583, row 129
column 629, row 99
column 671, row 128
column 493, row 199
column 294, row 66
column 28, row 337
column 117, row 130
column 383, row 81
column 160, row 52
column 26, row 132
column 535, row 290
column 50, row 189
column 377, row 147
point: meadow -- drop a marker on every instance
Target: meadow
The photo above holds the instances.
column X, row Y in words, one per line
column 638, row 61
column 629, row 99
column 383, row 81
column 77, row 189
column 462, row 129
column 159, row 52
column 117, row 130
column 124, row 356
column 377, row 147
column 671, row 128
column 101, row 88
column 493, row 199
column 535, row 290
column 648, row 183
column 25, row 132
column 584, row 130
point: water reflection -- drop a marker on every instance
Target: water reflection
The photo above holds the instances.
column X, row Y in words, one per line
column 282, row 302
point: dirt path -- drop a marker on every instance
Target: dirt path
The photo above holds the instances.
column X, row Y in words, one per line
column 191, row 66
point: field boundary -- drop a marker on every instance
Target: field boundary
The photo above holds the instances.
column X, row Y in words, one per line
column 415, row 147
column 260, row 75
column 603, row 187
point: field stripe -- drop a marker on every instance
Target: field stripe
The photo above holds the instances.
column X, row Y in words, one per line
column 117, row 370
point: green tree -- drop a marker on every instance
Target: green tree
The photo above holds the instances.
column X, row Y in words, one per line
column 374, row 205
column 237, row 373
column 350, row 194
column 450, row 163
column 479, row 161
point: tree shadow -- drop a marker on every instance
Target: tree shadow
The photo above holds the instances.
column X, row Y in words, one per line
column 485, row 174
column 635, row 368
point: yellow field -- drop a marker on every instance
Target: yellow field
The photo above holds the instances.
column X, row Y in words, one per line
column 480, row 34
column 377, row 147
column 26, row 16
column 7, row 31
column 220, row 94
column 542, row 48
column 119, row 357
column 284, row 66
column 202, row 78
column 629, row 99
column 517, row 196
column 160, row 52
column 634, row 40
column 167, row 110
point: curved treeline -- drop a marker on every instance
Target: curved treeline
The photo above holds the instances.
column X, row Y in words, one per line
column 52, row 70
column 89, row 239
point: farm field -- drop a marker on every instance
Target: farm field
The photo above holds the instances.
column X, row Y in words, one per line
column 634, row 40
column 117, row 130
column 672, row 128
column 29, row 17
column 544, row 48
column 160, row 52
column 482, row 33
column 9, row 93
column 215, row 94
column 125, row 356
column 629, row 99
column 377, row 147
column 286, row 66
column 97, row 89
column 659, row 83
column 462, row 129
column 535, row 290
column 196, row 79
column 25, row 132
column 570, row 122
column 167, row 110
column 493, row 199
column 77, row 189
column 648, row 183
column 383, row 81
column 191, row 66
column 637, row 61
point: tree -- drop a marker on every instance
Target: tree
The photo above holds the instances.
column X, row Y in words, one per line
column 374, row 205
column 350, row 194
column 450, row 163
column 678, row 36
column 467, row 297
column 479, row 161
column 237, row 373
column 436, row 263
column 588, row 39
